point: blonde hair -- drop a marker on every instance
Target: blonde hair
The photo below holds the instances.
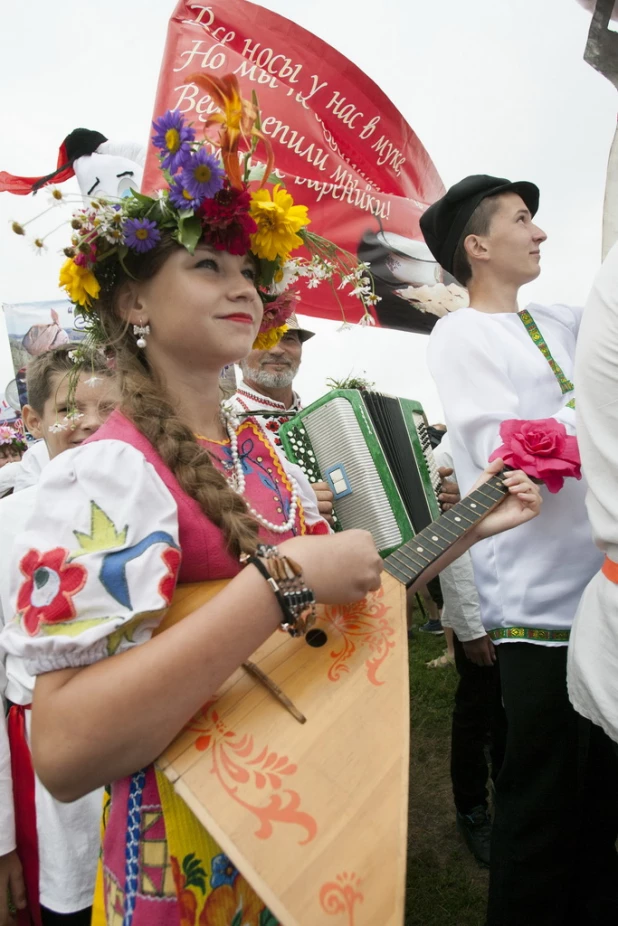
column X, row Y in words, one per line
column 146, row 403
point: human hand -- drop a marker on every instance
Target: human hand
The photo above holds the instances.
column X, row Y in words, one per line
column 11, row 885
column 449, row 490
column 325, row 500
column 339, row 568
column 481, row 652
column 521, row 505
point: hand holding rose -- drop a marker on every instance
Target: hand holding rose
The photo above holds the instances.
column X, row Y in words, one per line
column 542, row 449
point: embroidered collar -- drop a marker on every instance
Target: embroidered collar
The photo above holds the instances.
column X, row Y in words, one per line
column 265, row 402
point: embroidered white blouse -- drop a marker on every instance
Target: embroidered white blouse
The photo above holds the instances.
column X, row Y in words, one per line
column 488, row 369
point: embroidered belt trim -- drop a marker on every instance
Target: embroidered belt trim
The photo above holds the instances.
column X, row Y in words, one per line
column 531, row 633
column 610, row 570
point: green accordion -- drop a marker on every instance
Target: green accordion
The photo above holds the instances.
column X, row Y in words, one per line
column 374, row 452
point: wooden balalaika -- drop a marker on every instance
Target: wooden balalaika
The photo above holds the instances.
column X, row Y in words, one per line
column 306, row 789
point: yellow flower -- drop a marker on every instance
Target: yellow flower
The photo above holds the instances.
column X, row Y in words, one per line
column 278, row 220
column 80, row 283
column 267, row 339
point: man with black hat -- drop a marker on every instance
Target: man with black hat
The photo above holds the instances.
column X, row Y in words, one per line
column 553, row 860
column 266, row 387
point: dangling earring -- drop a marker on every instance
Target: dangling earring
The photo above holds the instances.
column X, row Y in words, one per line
column 141, row 330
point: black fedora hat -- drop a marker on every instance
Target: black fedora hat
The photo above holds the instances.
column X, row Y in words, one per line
column 444, row 222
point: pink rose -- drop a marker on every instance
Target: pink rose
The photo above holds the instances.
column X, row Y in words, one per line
column 542, row 449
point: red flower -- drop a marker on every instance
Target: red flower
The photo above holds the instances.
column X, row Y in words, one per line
column 272, row 424
column 542, row 449
column 46, row 595
column 277, row 312
column 234, row 238
column 226, row 220
column 225, row 207
column 320, row 527
column 171, row 557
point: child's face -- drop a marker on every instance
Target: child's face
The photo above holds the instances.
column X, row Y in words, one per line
column 94, row 402
column 9, row 455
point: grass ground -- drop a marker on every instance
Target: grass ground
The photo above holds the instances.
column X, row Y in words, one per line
column 446, row 887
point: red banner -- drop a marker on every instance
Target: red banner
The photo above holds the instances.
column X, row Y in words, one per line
column 340, row 145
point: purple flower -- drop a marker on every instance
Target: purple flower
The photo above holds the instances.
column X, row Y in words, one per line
column 180, row 197
column 173, row 137
column 202, row 175
column 141, row 234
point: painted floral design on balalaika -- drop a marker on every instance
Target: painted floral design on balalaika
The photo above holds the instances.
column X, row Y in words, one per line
column 314, row 813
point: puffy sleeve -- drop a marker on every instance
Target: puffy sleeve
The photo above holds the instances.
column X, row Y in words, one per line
column 96, row 567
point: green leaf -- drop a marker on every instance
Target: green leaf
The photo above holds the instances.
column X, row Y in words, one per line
column 189, row 232
column 268, row 268
column 141, row 198
column 267, row 919
column 257, row 173
column 237, row 921
column 122, row 253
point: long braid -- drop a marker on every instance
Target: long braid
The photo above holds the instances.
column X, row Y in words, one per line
column 144, row 401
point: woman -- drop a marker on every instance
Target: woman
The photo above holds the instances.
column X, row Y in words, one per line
column 171, row 490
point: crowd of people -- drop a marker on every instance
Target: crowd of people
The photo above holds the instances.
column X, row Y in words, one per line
column 141, row 479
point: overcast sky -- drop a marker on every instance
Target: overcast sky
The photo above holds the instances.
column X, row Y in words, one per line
column 490, row 86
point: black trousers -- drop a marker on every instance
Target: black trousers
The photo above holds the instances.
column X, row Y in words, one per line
column 553, row 856
column 80, row 918
column 478, row 721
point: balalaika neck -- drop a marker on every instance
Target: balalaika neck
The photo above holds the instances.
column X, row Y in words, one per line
column 409, row 562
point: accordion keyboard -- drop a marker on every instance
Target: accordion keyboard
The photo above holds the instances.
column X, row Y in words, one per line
column 423, row 436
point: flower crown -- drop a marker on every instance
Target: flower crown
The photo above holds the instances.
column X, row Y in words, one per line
column 11, row 437
column 221, row 199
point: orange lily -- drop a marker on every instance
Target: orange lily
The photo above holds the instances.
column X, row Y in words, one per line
column 238, row 121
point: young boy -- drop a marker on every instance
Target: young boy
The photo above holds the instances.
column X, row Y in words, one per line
column 553, row 860
column 67, row 834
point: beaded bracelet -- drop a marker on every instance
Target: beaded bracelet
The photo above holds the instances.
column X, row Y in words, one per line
column 285, row 577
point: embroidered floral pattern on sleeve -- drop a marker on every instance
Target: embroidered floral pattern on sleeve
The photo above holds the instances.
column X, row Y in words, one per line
column 46, row 595
column 52, row 578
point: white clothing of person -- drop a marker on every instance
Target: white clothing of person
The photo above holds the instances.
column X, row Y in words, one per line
column 32, row 464
column 7, row 817
column 246, row 399
column 25, row 472
column 488, row 370
column 462, row 610
column 68, row 834
column 593, row 650
column 8, row 476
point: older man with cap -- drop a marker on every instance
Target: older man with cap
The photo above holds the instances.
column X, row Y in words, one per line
column 553, row 860
column 266, row 389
